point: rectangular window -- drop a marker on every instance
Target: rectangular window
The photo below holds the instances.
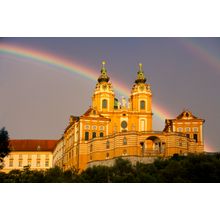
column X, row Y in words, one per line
column 38, row 156
column 187, row 135
column 142, row 105
column 124, row 141
column 86, row 135
column 47, row 163
column 38, row 163
column 11, row 163
column 29, row 163
column 107, row 144
column 20, row 163
column 195, row 137
column 142, row 125
column 104, row 103
column 20, row 156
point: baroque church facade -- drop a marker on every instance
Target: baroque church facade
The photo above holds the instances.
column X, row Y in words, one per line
column 110, row 129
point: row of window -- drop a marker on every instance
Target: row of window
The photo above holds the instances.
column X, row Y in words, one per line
column 195, row 137
column 187, row 129
column 20, row 163
column 94, row 127
column 21, row 156
column 105, row 104
column 70, row 155
column 101, row 134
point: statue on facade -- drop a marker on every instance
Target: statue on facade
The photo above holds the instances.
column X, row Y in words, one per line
column 124, row 102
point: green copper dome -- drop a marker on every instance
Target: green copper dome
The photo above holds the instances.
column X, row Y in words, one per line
column 104, row 77
column 140, row 75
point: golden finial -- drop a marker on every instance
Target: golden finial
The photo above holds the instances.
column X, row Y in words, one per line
column 140, row 67
column 103, row 64
column 103, row 70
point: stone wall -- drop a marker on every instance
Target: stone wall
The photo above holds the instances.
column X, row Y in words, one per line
column 133, row 159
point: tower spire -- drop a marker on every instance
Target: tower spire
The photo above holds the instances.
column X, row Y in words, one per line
column 104, row 77
column 140, row 67
column 140, row 75
column 103, row 70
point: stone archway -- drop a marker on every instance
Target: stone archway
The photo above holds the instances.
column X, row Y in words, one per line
column 153, row 144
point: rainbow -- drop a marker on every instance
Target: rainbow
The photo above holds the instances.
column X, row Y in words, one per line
column 201, row 52
column 72, row 67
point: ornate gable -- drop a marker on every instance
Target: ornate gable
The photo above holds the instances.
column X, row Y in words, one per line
column 91, row 112
column 186, row 115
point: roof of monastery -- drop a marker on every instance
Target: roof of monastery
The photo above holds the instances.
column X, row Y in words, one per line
column 186, row 114
column 32, row 145
column 91, row 112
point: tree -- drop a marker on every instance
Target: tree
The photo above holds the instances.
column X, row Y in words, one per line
column 123, row 171
column 4, row 145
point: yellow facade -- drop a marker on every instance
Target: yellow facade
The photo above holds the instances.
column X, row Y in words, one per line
column 111, row 129
column 35, row 160
column 35, row 154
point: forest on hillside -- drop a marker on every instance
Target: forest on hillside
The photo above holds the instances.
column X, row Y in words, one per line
column 194, row 168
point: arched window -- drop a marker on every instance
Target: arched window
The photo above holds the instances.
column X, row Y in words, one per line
column 107, row 145
column 93, row 134
column 142, row 125
column 195, row 137
column 107, row 155
column 101, row 134
column 124, row 141
column 104, row 103
column 86, row 135
column 142, row 105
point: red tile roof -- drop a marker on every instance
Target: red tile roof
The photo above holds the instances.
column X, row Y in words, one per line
column 32, row 145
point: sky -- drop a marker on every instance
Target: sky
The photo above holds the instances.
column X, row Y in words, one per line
column 37, row 97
